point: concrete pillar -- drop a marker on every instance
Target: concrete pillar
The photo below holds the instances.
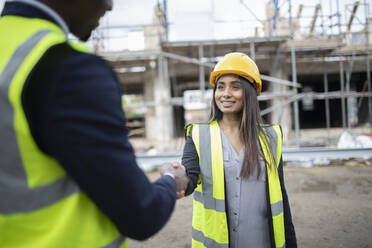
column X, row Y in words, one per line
column 155, row 33
column 282, row 115
column 159, row 122
column 150, row 116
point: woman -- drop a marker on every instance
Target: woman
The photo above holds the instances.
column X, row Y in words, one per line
column 235, row 166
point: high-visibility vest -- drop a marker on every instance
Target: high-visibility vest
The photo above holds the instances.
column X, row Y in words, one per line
column 40, row 206
column 209, row 222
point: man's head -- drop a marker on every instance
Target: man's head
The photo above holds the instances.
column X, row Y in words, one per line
column 81, row 16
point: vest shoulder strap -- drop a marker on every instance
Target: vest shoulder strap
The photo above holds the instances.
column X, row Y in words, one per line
column 274, row 136
column 189, row 127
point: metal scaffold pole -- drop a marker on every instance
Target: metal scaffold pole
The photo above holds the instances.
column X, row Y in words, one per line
column 366, row 6
column 341, row 65
column 252, row 50
column 202, row 75
column 348, row 107
column 342, row 84
column 328, row 118
column 294, row 77
column 330, row 18
column 322, row 15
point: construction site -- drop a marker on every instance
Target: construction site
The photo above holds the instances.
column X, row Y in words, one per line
column 314, row 59
column 316, row 76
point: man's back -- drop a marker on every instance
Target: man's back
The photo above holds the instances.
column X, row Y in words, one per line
column 68, row 113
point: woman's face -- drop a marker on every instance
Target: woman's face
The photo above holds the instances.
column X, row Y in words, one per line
column 229, row 94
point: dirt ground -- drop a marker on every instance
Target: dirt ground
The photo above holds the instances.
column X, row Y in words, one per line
column 331, row 208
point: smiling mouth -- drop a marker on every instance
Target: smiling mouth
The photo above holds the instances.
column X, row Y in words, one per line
column 227, row 104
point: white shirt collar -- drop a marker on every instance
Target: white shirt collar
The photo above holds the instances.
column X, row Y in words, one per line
column 46, row 9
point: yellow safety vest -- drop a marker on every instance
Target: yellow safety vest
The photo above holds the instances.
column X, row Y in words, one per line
column 40, row 206
column 209, row 222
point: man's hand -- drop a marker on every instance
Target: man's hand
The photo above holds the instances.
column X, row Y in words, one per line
column 180, row 176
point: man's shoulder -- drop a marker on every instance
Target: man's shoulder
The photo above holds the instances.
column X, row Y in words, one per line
column 64, row 53
column 63, row 68
column 64, row 62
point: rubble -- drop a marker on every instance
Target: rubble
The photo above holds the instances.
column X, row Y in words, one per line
column 352, row 162
column 352, row 140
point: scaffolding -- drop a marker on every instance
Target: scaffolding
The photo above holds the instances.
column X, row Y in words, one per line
column 343, row 49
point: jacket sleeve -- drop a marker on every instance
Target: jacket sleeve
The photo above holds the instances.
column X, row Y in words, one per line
column 190, row 160
column 290, row 234
column 73, row 104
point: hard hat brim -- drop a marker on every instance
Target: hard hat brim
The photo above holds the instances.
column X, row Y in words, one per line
column 217, row 74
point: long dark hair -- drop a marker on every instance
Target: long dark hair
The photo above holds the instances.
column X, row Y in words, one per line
column 251, row 127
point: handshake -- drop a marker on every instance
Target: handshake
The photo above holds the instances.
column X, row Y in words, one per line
column 179, row 173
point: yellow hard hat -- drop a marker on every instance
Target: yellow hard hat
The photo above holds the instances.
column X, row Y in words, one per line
column 240, row 64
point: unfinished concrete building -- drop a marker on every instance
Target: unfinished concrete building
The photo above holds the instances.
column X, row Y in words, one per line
column 310, row 79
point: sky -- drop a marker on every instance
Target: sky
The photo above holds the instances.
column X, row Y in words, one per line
column 210, row 19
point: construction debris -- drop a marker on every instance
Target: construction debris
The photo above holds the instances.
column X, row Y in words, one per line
column 352, row 140
column 352, row 162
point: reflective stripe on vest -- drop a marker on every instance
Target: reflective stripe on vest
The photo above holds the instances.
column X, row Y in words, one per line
column 275, row 192
column 209, row 214
column 209, row 196
column 21, row 200
column 38, row 199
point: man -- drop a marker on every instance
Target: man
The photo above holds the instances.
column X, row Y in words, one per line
column 68, row 174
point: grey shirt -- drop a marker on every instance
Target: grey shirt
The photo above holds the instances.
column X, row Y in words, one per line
column 246, row 202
